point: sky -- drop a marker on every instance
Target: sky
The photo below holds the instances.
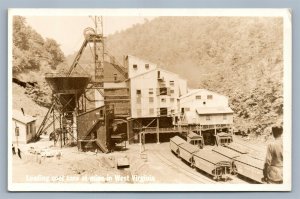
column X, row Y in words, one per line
column 68, row 30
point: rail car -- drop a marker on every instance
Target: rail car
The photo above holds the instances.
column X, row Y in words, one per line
column 223, row 139
column 250, row 167
column 214, row 164
column 174, row 144
column 186, row 152
column 243, row 163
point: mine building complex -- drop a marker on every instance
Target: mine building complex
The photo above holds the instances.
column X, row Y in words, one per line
column 127, row 102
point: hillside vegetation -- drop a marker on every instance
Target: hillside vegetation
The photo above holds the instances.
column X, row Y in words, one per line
column 240, row 57
column 32, row 57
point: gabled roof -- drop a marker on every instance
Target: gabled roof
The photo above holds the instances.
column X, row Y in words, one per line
column 213, row 110
column 195, row 91
column 155, row 69
column 25, row 119
column 140, row 59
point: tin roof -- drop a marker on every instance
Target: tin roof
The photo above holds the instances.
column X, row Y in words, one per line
column 213, row 110
column 18, row 115
column 193, row 135
column 223, row 134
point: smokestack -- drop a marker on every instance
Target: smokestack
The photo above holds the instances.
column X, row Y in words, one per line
column 23, row 111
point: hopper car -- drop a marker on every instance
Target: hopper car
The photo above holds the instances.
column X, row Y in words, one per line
column 214, row 164
column 243, row 164
column 250, row 167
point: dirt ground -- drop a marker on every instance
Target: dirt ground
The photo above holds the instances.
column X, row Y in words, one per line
column 68, row 165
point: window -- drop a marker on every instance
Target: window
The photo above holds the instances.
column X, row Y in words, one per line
column 163, row 111
column 138, row 100
column 208, row 117
column 134, row 66
column 150, row 91
column 224, row 117
column 139, row 112
column 147, row 66
column 198, row 97
column 115, row 77
column 163, row 100
column 171, row 83
column 171, row 99
column 209, row 96
column 163, row 91
column 151, row 99
column 101, row 113
column 172, row 111
column 138, row 92
column 151, row 111
column 172, row 91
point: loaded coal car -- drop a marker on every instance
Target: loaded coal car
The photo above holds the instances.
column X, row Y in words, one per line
column 213, row 164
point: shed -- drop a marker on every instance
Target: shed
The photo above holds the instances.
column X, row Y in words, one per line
column 23, row 127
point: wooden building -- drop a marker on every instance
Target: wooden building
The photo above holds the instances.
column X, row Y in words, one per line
column 154, row 94
column 23, row 127
column 206, row 112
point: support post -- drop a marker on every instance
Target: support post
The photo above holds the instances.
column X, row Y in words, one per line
column 54, row 126
column 200, row 130
column 215, row 129
column 61, row 130
column 140, row 141
column 74, row 138
column 157, row 131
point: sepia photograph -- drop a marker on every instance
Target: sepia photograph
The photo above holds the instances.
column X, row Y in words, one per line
column 149, row 100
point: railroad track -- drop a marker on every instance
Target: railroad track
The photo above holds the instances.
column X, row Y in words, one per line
column 188, row 172
column 255, row 147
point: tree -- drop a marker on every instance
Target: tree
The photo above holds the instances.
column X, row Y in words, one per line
column 56, row 55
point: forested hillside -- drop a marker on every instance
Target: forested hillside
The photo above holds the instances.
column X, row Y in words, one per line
column 240, row 57
column 32, row 57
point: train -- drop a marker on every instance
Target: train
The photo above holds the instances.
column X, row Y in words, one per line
column 214, row 164
column 220, row 162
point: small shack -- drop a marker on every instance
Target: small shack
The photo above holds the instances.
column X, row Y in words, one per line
column 23, row 127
